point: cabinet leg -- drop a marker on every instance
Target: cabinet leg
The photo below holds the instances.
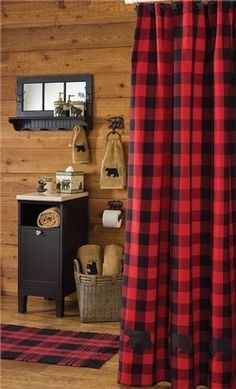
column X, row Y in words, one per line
column 60, row 308
column 22, row 303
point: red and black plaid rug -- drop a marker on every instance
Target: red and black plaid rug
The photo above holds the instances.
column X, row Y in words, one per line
column 58, row 347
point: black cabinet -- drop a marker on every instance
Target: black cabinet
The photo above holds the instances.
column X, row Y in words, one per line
column 46, row 255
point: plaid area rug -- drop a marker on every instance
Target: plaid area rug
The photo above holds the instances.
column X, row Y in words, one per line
column 58, row 347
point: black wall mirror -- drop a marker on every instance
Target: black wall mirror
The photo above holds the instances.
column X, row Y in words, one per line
column 53, row 101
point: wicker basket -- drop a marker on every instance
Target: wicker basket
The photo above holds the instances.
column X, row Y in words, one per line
column 99, row 297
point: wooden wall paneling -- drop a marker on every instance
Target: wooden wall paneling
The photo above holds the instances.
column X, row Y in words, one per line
column 55, row 139
column 14, row 183
column 9, row 258
column 8, row 88
column 92, row 186
column 66, row 61
column 9, row 233
column 39, row 38
column 9, row 209
column 62, row 37
column 8, row 286
column 47, row 160
column 97, row 235
column 49, row 13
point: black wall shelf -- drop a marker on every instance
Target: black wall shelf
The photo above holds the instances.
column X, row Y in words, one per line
column 47, row 123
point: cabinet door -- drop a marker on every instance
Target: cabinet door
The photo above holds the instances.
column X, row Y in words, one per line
column 40, row 264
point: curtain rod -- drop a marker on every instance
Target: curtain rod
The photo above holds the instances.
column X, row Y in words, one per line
column 153, row 1
column 145, row 1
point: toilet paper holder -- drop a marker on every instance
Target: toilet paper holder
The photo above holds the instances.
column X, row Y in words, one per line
column 116, row 205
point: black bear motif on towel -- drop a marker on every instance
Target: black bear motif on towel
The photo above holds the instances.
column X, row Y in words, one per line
column 92, row 268
column 112, row 172
column 80, row 148
column 139, row 340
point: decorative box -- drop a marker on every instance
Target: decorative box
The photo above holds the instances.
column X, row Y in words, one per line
column 70, row 182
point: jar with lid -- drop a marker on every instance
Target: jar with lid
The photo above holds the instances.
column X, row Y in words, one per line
column 58, row 105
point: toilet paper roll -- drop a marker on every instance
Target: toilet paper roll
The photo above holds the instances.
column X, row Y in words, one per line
column 110, row 218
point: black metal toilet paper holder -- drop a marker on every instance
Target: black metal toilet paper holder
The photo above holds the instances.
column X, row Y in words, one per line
column 116, row 205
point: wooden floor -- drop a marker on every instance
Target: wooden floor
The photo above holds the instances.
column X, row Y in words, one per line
column 25, row 375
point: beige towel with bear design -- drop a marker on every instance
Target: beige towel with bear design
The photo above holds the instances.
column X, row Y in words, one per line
column 90, row 259
column 79, row 145
column 113, row 170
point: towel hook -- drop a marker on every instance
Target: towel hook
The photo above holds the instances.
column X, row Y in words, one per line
column 115, row 122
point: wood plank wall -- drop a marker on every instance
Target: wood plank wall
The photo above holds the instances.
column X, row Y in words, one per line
column 61, row 37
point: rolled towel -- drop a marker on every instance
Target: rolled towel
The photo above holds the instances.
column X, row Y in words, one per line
column 90, row 259
column 112, row 263
column 50, row 218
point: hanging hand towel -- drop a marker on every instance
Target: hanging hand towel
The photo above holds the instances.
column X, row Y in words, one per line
column 113, row 170
column 79, row 145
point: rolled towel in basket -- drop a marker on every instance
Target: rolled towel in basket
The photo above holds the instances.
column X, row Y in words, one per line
column 90, row 259
column 112, row 263
column 50, row 218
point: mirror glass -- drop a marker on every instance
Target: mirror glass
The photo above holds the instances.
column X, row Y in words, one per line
column 36, row 97
column 51, row 94
column 76, row 90
column 33, row 97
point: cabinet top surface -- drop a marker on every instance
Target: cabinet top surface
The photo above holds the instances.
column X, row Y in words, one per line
column 57, row 197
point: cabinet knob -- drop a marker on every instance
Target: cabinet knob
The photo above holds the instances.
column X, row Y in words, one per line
column 38, row 232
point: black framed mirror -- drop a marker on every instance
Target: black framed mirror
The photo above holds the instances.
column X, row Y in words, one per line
column 53, row 102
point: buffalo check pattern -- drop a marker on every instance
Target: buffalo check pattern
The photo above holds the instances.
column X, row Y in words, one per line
column 58, row 347
column 179, row 293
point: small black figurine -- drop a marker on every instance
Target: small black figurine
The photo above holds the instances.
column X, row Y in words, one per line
column 41, row 187
column 92, row 268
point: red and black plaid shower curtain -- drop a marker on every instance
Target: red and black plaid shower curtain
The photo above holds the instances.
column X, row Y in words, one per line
column 179, row 294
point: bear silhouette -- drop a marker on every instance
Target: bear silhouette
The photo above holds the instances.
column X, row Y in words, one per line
column 181, row 343
column 112, row 172
column 41, row 186
column 80, row 148
column 65, row 184
column 59, row 111
column 139, row 340
column 115, row 122
column 75, row 111
column 92, row 268
column 222, row 346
